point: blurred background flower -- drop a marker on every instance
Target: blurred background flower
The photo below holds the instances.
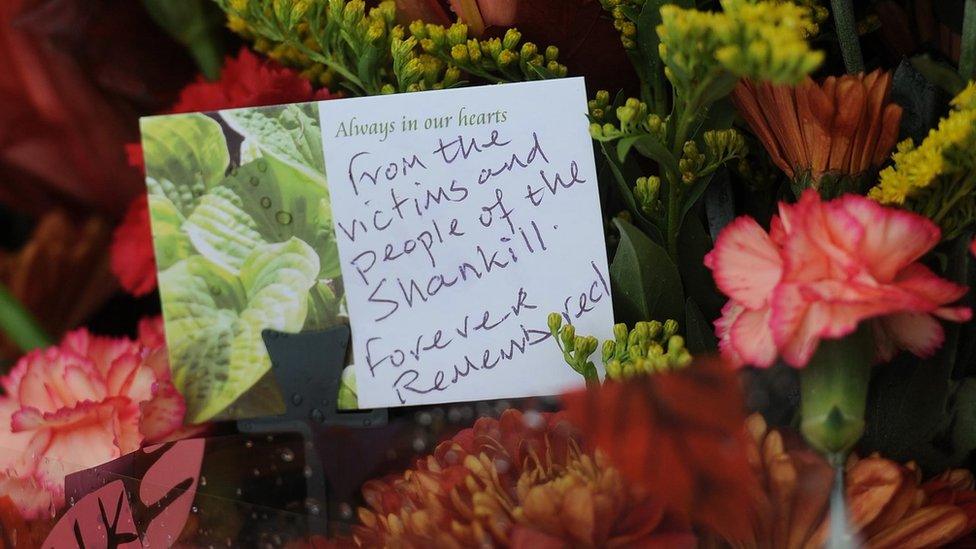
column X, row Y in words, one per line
column 523, row 480
column 60, row 253
column 76, row 77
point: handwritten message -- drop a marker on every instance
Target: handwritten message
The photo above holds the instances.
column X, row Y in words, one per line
column 464, row 217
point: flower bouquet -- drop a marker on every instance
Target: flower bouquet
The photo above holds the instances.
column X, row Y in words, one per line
column 788, row 192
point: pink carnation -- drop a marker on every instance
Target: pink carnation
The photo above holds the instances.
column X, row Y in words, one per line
column 823, row 268
column 77, row 405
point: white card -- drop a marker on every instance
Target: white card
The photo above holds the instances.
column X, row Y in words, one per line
column 463, row 218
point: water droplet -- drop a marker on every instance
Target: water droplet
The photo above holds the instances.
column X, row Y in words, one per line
column 296, row 399
column 249, row 444
column 533, row 420
column 262, row 166
column 269, row 438
column 502, row 466
column 419, row 445
column 215, row 290
column 345, row 510
column 238, row 491
column 307, row 471
column 265, row 202
column 194, row 509
column 317, row 415
column 203, row 481
column 424, row 418
column 312, row 507
column 283, row 217
column 254, row 181
column 256, row 472
column 287, row 455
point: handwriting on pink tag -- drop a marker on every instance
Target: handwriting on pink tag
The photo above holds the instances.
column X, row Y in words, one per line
column 154, row 517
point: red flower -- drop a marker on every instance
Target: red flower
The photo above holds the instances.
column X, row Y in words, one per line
column 679, row 435
column 75, row 74
column 248, row 81
column 245, row 81
column 132, row 253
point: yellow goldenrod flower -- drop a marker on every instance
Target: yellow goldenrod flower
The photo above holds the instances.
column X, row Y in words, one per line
column 761, row 40
column 937, row 178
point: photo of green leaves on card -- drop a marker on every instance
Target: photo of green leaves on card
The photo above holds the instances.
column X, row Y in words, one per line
column 242, row 230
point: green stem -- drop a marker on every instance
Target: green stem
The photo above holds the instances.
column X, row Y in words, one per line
column 846, row 26
column 833, row 392
column 674, row 179
column 19, row 325
column 967, row 58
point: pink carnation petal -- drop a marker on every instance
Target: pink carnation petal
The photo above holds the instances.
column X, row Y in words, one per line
column 917, row 333
column 81, row 447
column 954, row 314
column 745, row 263
column 12, row 445
column 723, row 331
column 752, row 338
column 884, row 345
column 895, row 237
column 33, row 500
column 151, row 334
column 919, row 281
column 162, row 415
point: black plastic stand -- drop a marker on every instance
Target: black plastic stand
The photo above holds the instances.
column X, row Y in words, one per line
column 308, row 368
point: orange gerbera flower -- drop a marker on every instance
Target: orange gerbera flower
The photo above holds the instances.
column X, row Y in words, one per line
column 845, row 125
column 887, row 504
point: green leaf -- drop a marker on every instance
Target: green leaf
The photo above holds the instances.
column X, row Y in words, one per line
column 185, row 155
column 650, row 147
column 215, row 319
column 290, row 133
column 647, row 38
column 699, row 336
column 693, row 244
column 197, row 24
column 170, row 243
column 907, row 410
column 324, row 307
column 285, row 202
column 646, row 284
column 221, row 230
column 622, row 173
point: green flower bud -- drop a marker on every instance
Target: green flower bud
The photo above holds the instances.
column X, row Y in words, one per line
column 552, row 53
column 506, row 58
column 609, row 347
column 555, row 321
column 529, row 50
column 459, row 53
column 451, row 76
column 457, row 34
column 614, row 369
column 418, row 29
column 511, row 39
column 568, row 336
column 670, row 328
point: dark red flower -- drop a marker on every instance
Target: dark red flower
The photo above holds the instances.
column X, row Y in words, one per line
column 245, row 81
column 75, row 76
column 132, row 250
column 680, row 435
column 248, row 81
